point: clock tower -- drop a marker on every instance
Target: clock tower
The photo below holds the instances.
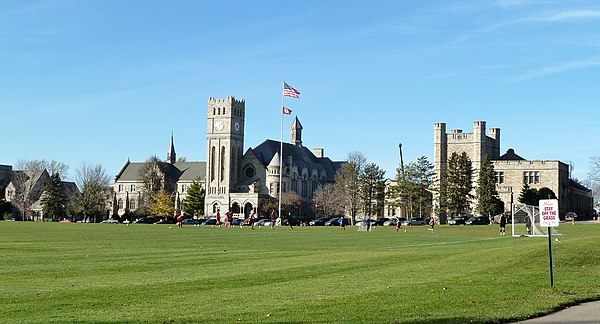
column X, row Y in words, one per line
column 225, row 147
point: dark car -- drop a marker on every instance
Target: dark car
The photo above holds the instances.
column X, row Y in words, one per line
column 145, row 220
column 478, row 220
column 210, row 221
column 319, row 221
column 380, row 221
column 237, row 222
column 335, row 222
column 295, row 222
column 458, row 220
column 166, row 220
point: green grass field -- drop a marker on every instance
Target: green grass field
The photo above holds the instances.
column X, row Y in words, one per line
column 64, row 272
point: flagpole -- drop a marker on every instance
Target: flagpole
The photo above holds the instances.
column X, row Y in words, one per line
column 281, row 151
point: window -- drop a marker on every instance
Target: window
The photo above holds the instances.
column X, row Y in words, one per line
column 120, row 188
column 249, row 171
column 132, row 204
column 183, row 188
column 120, row 204
column 222, row 168
column 132, row 187
column 531, row 177
column 499, row 177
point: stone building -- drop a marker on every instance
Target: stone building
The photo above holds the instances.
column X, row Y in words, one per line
column 512, row 171
column 31, row 183
column 128, row 187
column 232, row 178
column 245, row 181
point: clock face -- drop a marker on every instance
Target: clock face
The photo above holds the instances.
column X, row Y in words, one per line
column 236, row 126
column 219, row 125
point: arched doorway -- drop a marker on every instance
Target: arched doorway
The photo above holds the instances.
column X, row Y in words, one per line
column 235, row 208
column 248, row 209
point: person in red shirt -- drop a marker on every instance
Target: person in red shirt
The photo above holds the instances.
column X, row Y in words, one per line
column 218, row 218
column 180, row 220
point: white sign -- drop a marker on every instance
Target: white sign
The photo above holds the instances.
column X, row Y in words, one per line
column 549, row 213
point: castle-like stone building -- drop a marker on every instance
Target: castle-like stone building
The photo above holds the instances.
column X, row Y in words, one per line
column 232, row 178
column 244, row 181
column 512, row 171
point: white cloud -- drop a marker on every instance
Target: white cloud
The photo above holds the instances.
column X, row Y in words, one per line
column 558, row 68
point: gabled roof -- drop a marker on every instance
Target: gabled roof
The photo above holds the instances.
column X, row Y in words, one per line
column 181, row 171
column 510, row 155
column 191, row 170
column 301, row 157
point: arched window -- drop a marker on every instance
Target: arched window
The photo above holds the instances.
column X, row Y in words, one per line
column 222, row 166
column 120, row 203
column 212, row 163
column 132, row 204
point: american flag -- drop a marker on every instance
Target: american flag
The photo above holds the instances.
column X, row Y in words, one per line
column 287, row 111
column 288, row 91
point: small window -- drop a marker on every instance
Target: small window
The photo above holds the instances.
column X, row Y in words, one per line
column 132, row 204
column 183, row 188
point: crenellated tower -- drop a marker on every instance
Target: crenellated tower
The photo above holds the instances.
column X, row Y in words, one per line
column 225, row 144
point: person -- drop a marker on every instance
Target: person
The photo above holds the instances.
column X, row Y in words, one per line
column 273, row 219
column 502, row 225
column 180, row 220
column 290, row 220
column 229, row 219
column 432, row 224
column 218, row 224
column 342, row 223
column 528, row 224
column 251, row 219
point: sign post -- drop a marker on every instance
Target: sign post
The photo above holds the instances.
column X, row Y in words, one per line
column 549, row 218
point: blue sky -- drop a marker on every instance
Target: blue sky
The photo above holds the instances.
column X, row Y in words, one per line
column 103, row 81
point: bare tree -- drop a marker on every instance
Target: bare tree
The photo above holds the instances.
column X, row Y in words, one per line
column 328, row 200
column 347, row 182
column 95, row 184
column 26, row 190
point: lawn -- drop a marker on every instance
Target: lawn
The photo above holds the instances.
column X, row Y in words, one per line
column 64, row 272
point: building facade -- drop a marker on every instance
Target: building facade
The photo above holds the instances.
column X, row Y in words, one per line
column 246, row 181
column 511, row 170
column 243, row 181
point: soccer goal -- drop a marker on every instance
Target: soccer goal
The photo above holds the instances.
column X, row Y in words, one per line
column 526, row 221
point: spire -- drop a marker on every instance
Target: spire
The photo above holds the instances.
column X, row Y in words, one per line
column 172, row 157
column 296, row 132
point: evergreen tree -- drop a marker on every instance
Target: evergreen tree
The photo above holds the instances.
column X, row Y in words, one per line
column 458, row 184
column 487, row 196
column 372, row 187
column 194, row 201
column 528, row 195
column 54, row 199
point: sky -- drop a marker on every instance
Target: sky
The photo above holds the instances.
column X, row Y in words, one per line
column 105, row 81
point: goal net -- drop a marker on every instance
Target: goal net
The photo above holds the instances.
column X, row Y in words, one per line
column 526, row 221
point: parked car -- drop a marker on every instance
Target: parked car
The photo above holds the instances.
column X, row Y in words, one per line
column 263, row 222
column 370, row 222
column 210, row 221
column 166, row 220
column 110, row 221
column 319, row 221
column 392, row 221
column 333, row 222
column 414, row 221
column 570, row 216
column 458, row 220
column 382, row 220
column 295, row 222
column 190, row 221
column 237, row 222
column 478, row 220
